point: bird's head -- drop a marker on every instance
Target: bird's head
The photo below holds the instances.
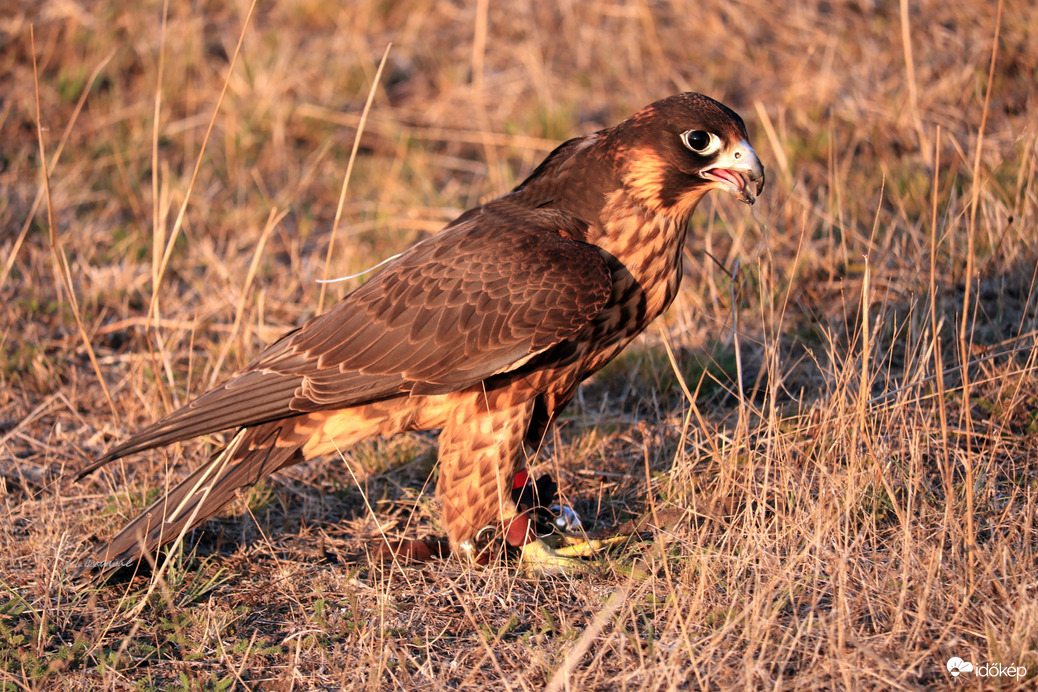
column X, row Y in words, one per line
column 674, row 151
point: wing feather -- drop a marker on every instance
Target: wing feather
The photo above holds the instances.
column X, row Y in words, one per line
column 468, row 303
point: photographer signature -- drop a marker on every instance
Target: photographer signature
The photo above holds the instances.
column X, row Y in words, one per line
column 91, row 563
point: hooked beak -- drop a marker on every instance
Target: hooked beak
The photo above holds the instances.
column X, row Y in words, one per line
column 738, row 171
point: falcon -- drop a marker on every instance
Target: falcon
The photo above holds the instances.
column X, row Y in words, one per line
column 483, row 331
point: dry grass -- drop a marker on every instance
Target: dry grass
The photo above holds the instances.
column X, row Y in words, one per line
column 858, row 457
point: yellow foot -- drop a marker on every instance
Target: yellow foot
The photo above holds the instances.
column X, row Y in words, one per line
column 539, row 558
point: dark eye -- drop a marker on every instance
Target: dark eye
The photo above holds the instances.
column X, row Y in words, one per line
column 701, row 141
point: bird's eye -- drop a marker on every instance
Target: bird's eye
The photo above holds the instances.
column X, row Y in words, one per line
column 701, row 141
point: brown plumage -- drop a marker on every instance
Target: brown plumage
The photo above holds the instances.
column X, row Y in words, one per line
column 484, row 330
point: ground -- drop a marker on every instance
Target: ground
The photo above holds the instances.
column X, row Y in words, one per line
column 841, row 407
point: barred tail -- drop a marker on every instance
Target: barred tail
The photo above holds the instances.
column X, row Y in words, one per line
column 249, row 457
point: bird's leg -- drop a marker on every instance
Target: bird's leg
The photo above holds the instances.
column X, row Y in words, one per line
column 480, row 452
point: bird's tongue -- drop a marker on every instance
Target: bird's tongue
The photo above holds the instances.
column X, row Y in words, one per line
column 734, row 178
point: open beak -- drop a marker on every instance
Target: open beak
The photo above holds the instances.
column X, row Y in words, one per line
column 739, row 171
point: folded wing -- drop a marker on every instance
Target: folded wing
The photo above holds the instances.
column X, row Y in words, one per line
column 497, row 286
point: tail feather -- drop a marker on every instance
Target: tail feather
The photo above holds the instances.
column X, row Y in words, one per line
column 250, row 456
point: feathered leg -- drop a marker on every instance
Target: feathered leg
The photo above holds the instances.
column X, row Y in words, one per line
column 480, row 451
